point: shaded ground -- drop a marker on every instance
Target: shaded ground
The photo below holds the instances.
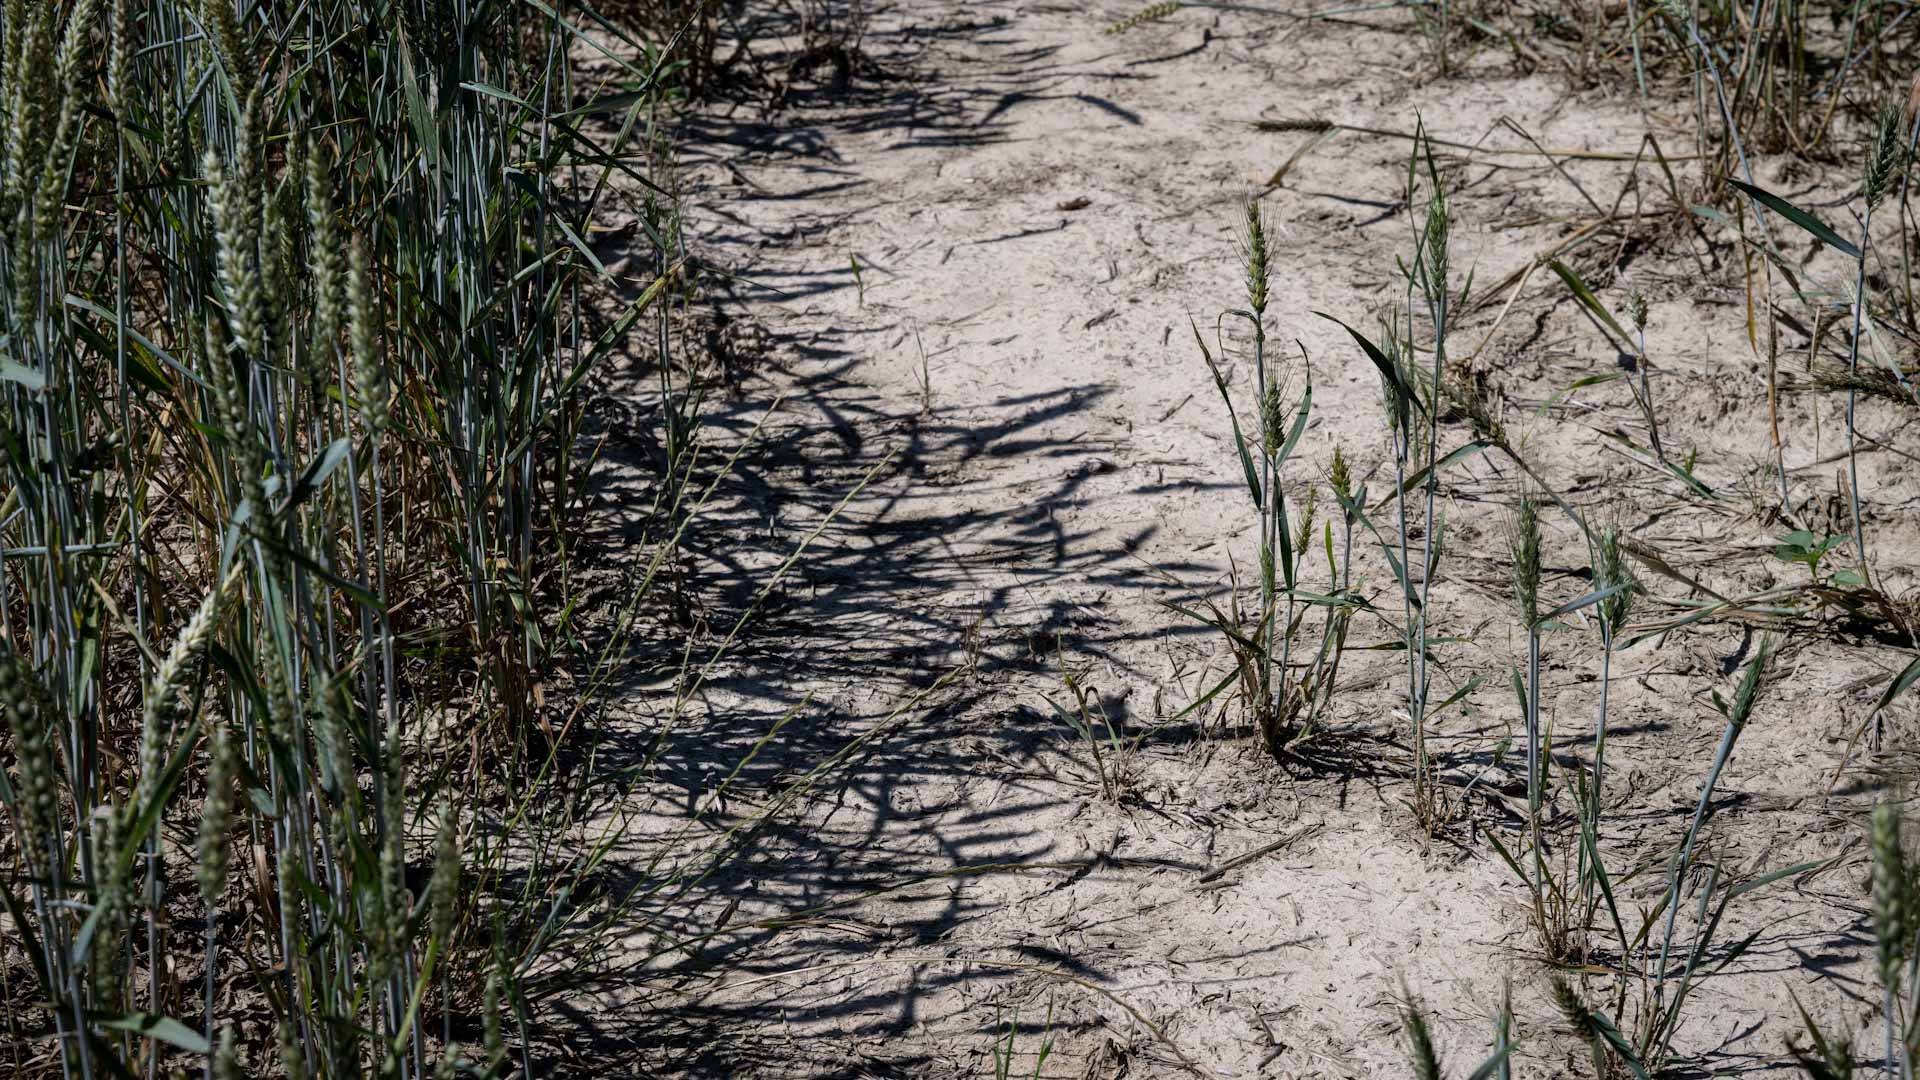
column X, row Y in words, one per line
column 1035, row 211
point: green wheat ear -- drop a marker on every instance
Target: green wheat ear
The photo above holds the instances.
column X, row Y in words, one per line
column 1614, row 569
column 1420, row 1048
column 1151, row 13
column 1258, row 269
column 1580, row 1021
column 113, row 899
column 1884, row 160
column 1523, row 544
column 1892, row 906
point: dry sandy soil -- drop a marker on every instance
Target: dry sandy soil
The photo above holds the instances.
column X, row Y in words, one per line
column 1037, row 210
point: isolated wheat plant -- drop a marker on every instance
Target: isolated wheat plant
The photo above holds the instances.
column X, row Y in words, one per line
column 1613, row 577
column 1276, row 698
column 1523, row 549
column 1886, row 161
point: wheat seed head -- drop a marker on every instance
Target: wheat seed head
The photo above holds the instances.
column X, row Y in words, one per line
column 1426, row 1059
column 1886, row 157
column 1614, row 570
column 1150, row 13
column 1523, row 544
column 1892, row 899
column 1258, row 268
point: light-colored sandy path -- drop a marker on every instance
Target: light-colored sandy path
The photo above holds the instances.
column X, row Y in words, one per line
column 1037, row 210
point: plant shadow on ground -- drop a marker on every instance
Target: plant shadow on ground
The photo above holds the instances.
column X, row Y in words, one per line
column 863, row 623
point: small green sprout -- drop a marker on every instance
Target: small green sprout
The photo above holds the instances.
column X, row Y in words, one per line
column 1802, row 546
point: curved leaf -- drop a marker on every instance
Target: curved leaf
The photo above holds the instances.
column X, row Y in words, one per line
column 1799, row 217
column 164, row 1028
column 1899, row 684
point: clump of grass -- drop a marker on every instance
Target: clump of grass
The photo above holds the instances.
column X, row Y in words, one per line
column 1282, row 705
column 1410, row 402
column 1110, row 749
column 1657, row 966
column 1667, row 988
